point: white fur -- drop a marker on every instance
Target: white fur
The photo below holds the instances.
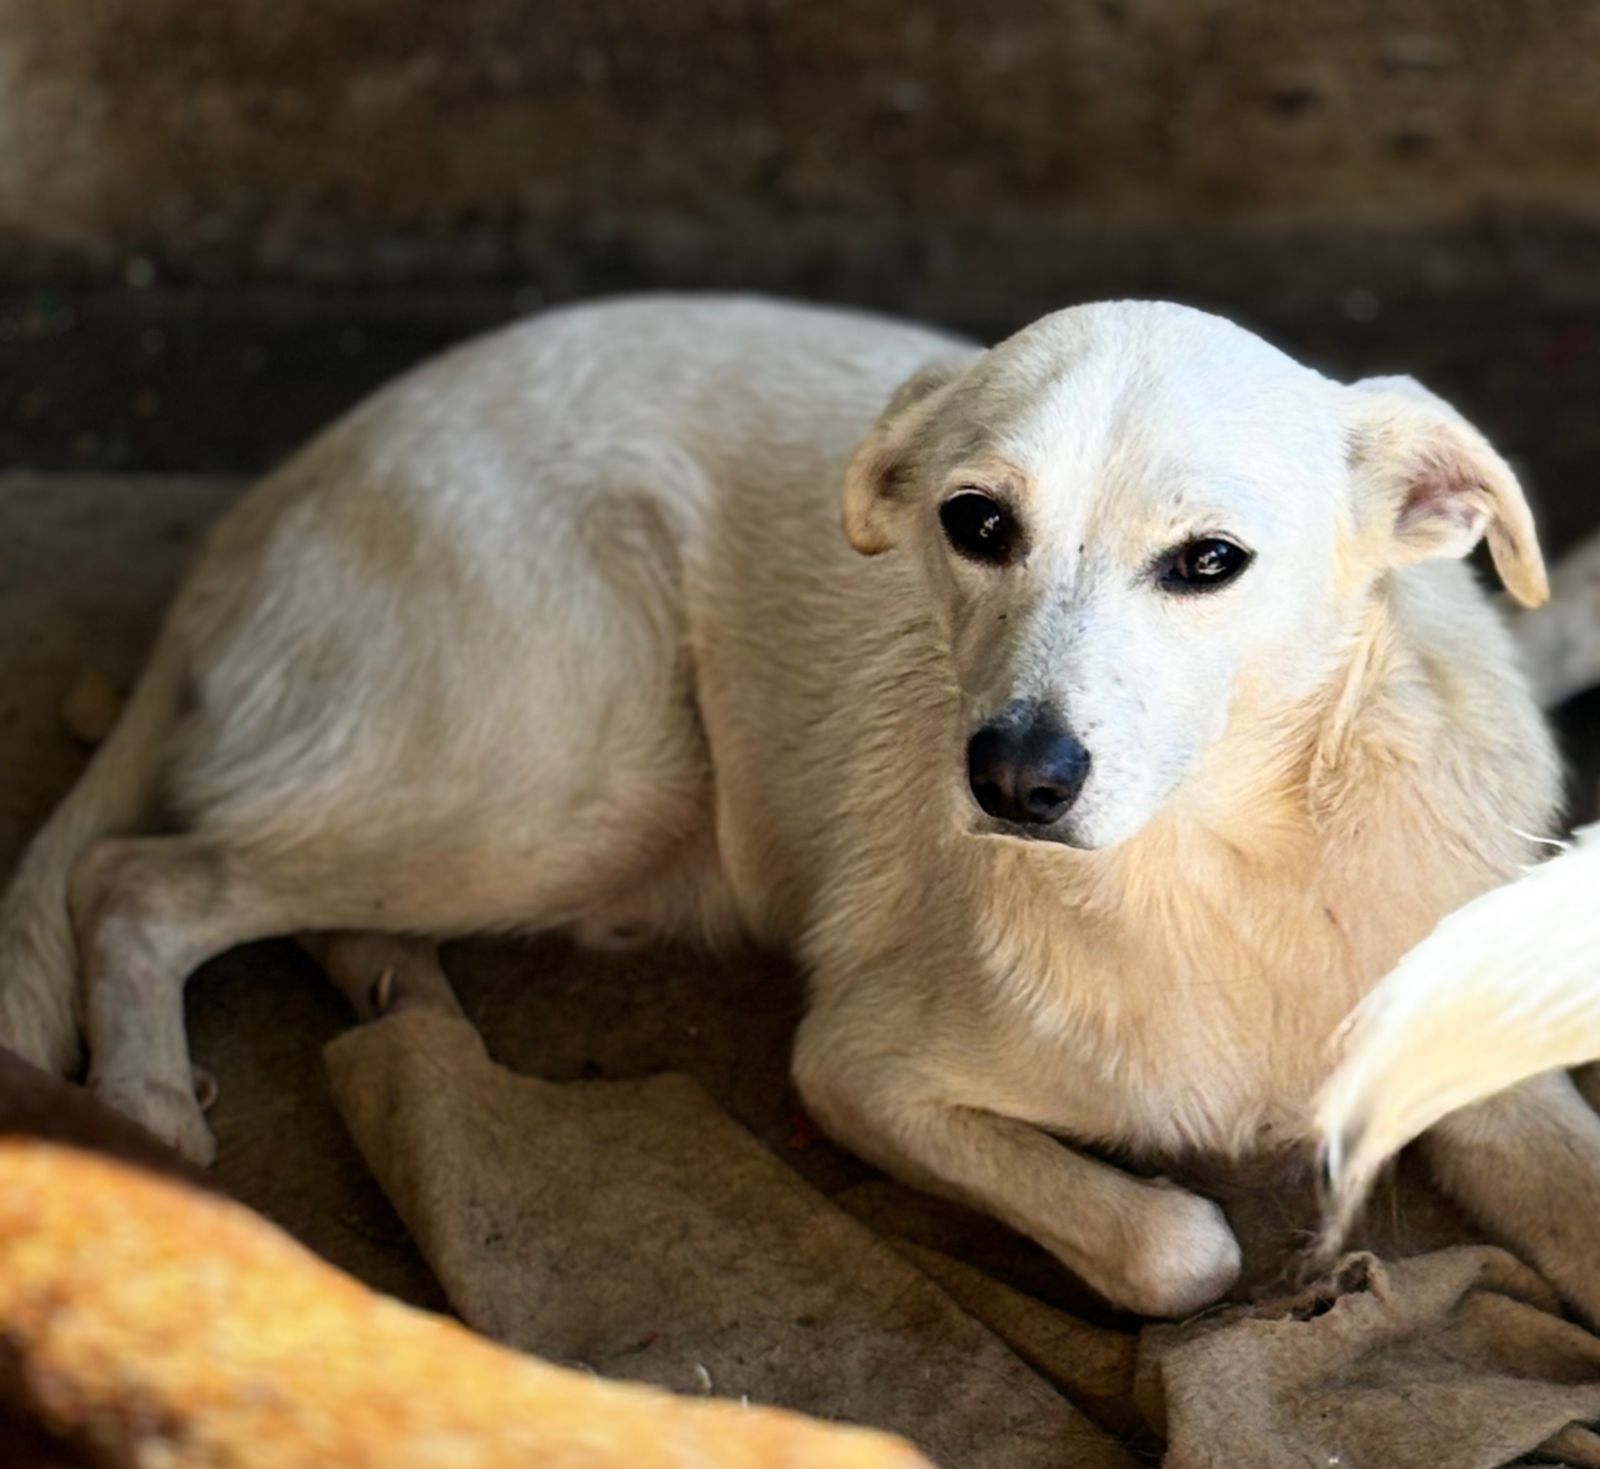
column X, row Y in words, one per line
column 1502, row 990
column 562, row 630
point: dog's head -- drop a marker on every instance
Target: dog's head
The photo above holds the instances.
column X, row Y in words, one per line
column 1129, row 513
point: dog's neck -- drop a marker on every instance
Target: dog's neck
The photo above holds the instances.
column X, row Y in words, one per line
column 1430, row 737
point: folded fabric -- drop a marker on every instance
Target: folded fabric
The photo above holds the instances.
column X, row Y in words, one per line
column 634, row 1227
column 1459, row 1357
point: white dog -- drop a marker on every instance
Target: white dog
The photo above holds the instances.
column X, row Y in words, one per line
column 1138, row 721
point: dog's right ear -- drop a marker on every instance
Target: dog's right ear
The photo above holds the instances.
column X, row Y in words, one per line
column 880, row 471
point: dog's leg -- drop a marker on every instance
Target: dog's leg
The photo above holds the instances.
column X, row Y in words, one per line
column 1145, row 1245
column 1527, row 1164
column 380, row 973
column 149, row 911
column 146, row 913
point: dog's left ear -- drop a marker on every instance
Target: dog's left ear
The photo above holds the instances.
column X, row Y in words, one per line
column 1436, row 486
column 879, row 474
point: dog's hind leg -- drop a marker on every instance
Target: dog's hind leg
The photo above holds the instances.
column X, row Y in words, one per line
column 381, row 974
column 148, row 911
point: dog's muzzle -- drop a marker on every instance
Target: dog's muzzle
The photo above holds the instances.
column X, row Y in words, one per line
column 1025, row 766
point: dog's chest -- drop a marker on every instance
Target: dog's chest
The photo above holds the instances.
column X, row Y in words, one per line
column 1192, row 1017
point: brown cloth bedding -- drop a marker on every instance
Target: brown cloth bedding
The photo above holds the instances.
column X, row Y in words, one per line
column 633, row 1227
column 1456, row 1357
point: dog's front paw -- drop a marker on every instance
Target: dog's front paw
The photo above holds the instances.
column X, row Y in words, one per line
column 1180, row 1257
column 172, row 1113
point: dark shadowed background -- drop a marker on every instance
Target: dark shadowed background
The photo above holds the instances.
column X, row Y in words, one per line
column 219, row 223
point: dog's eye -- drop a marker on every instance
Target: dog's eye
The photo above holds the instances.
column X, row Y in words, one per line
column 980, row 528
column 1203, row 566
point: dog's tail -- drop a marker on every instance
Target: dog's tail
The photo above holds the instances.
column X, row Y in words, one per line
column 38, row 962
column 1503, row 989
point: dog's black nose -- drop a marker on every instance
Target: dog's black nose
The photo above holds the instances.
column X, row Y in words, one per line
column 1025, row 766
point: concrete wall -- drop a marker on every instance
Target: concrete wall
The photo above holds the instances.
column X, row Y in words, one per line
column 908, row 150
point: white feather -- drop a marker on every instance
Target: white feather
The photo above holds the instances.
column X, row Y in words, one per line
column 1503, row 989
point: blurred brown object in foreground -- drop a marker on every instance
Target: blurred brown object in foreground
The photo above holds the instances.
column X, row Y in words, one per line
column 36, row 1104
column 146, row 1321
